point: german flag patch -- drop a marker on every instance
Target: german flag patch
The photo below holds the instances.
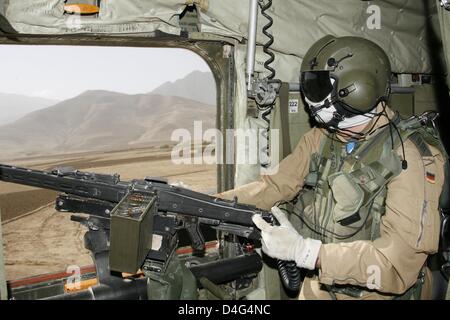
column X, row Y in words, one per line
column 431, row 177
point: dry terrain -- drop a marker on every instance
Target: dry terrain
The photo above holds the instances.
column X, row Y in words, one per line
column 38, row 239
column 100, row 120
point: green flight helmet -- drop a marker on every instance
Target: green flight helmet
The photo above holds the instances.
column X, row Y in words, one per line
column 351, row 74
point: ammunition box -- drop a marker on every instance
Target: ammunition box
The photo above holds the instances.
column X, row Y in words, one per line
column 131, row 231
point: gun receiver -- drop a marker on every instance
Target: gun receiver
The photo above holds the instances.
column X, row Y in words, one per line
column 170, row 207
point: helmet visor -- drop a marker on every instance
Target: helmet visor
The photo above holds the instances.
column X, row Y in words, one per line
column 316, row 85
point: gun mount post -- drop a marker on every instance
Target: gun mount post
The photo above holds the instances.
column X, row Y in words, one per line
column 251, row 42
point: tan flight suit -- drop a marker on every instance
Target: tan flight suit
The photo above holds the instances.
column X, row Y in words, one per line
column 409, row 229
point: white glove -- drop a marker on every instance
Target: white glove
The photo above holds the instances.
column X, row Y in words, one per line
column 284, row 243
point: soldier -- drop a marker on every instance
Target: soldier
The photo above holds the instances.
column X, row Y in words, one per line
column 362, row 188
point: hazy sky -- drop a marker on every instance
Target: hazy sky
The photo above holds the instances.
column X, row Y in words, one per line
column 61, row 72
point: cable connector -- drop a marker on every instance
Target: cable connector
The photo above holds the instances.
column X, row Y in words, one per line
column 264, row 91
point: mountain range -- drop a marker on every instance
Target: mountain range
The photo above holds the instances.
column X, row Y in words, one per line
column 15, row 106
column 197, row 85
column 104, row 120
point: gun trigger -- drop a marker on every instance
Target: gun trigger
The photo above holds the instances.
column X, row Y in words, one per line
column 79, row 219
column 85, row 222
column 269, row 218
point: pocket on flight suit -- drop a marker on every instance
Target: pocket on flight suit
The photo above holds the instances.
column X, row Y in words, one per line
column 429, row 223
column 348, row 197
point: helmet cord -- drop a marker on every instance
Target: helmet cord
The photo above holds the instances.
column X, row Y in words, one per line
column 393, row 125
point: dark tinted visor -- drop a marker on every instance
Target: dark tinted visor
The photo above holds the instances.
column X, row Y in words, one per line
column 316, row 85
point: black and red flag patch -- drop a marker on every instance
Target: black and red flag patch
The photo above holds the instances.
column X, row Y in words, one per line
column 431, row 177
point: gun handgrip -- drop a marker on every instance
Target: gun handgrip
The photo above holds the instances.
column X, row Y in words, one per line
column 197, row 240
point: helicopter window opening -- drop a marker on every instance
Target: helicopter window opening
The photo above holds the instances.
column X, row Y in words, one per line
column 96, row 109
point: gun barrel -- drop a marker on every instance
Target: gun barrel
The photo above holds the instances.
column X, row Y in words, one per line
column 84, row 186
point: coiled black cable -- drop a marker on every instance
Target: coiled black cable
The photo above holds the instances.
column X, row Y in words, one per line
column 265, row 135
column 289, row 274
column 266, row 49
column 268, row 44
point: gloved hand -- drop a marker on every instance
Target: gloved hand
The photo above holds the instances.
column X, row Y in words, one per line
column 283, row 242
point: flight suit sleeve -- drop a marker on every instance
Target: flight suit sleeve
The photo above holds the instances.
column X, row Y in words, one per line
column 286, row 182
column 409, row 232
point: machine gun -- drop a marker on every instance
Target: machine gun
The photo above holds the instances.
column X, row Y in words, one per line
column 134, row 226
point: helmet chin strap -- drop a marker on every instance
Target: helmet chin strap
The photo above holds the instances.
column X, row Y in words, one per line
column 314, row 109
column 333, row 124
column 351, row 133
